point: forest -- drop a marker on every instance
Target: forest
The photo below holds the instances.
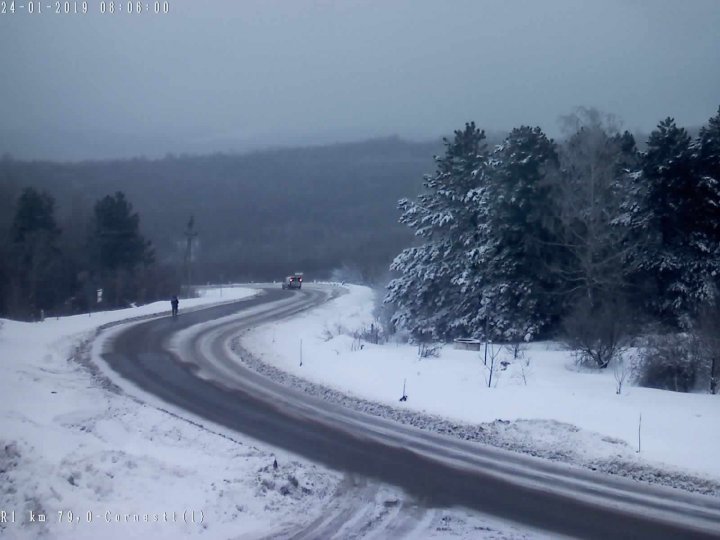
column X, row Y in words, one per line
column 588, row 239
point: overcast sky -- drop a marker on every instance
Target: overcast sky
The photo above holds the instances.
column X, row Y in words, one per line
column 222, row 75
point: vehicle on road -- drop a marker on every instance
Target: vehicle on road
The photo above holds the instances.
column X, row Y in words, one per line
column 293, row 281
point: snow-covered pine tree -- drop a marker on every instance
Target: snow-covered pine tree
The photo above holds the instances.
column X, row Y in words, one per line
column 681, row 211
column 708, row 163
column 516, row 283
column 436, row 293
column 632, row 189
column 710, row 146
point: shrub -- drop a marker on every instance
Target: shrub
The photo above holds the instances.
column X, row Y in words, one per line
column 428, row 350
column 669, row 362
column 707, row 332
column 371, row 334
column 598, row 333
column 330, row 332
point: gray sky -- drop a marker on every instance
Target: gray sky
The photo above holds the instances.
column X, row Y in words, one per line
column 221, row 75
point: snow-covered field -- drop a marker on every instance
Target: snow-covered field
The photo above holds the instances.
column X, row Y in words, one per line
column 98, row 464
column 540, row 404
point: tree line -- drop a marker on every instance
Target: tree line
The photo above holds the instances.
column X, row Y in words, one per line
column 534, row 238
column 105, row 262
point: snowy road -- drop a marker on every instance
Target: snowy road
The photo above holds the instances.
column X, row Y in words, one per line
column 197, row 371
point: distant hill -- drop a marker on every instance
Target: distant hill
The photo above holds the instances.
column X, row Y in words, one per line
column 259, row 215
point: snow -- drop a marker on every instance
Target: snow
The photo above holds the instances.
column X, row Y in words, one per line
column 541, row 404
column 93, row 457
column 129, row 467
column 122, row 468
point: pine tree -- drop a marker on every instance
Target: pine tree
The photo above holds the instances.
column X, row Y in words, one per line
column 117, row 246
column 36, row 256
column 517, row 284
column 437, row 294
column 681, row 210
column 708, row 163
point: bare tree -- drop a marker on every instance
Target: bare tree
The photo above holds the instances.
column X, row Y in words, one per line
column 621, row 371
column 594, row 241
column 492, row 365
column 522, row 369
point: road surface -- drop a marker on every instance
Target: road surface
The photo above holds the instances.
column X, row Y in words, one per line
column 436, row 471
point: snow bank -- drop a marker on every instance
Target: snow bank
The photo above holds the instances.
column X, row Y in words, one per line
column 540, row 404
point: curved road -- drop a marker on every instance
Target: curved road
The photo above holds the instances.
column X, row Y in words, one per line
column 205, row 379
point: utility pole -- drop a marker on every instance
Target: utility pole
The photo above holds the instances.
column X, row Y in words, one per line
column 190, row 234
